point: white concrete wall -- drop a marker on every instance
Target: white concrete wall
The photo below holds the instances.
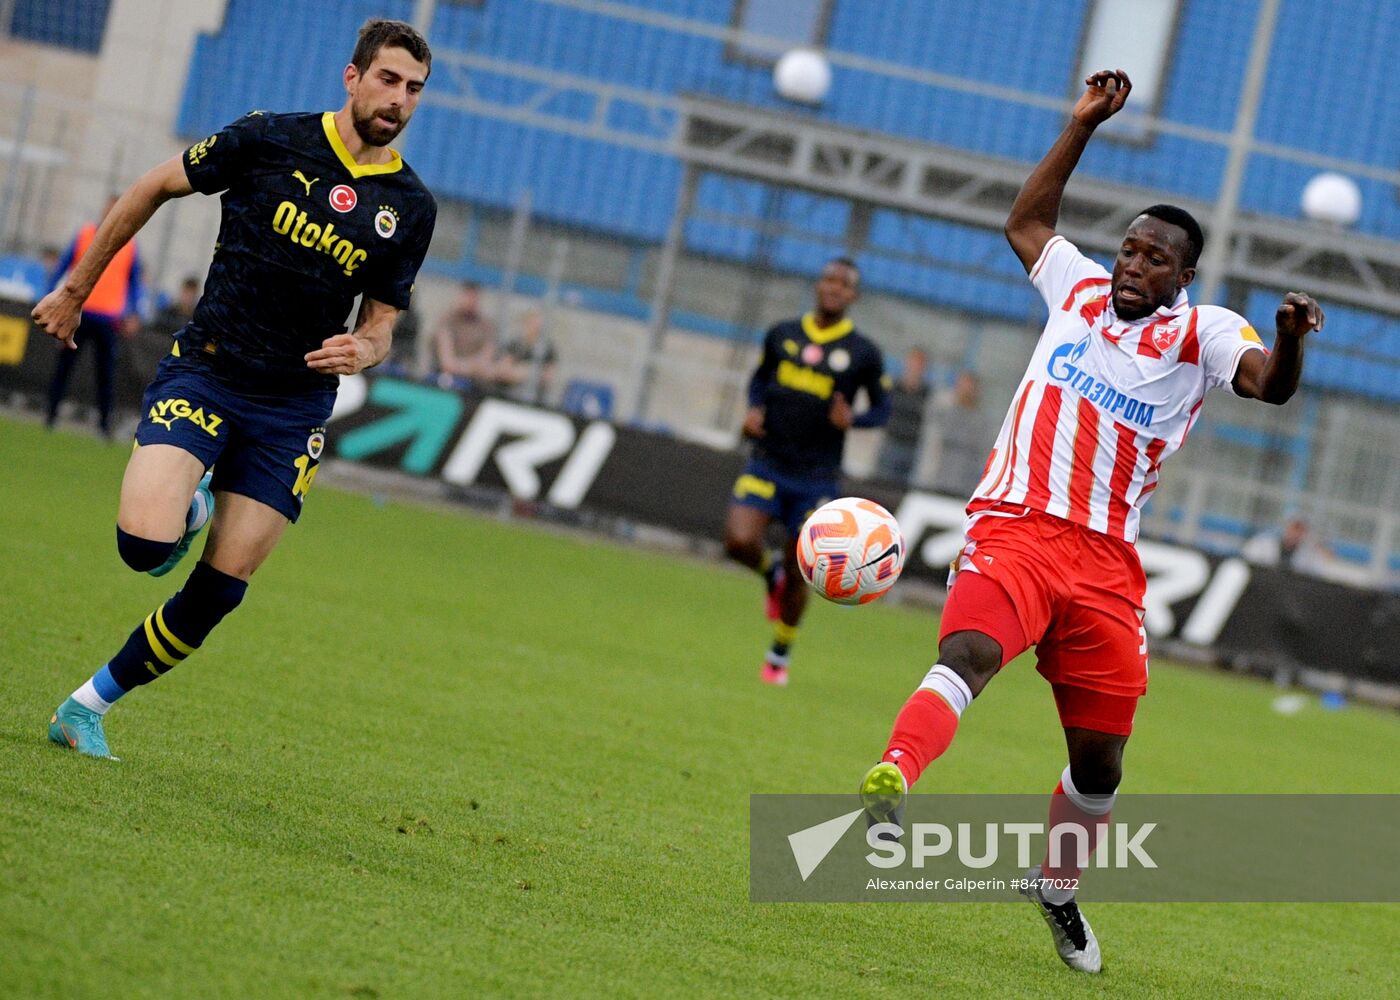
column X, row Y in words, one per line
column 59, row 71
column 98, row 122
column 139, row 81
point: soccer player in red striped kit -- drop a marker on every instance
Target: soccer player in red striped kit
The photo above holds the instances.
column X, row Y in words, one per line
column 1113, row 388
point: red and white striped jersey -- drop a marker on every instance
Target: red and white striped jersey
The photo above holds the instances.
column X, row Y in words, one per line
column 1104, row 401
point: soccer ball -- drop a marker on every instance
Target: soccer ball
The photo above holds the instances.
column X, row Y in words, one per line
column 851, row 551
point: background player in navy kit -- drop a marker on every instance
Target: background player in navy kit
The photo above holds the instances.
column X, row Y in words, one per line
column 316, row 210
column 799, row 411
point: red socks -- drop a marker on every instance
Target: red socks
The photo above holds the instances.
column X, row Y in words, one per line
column 923, row 730
column 1090, row 813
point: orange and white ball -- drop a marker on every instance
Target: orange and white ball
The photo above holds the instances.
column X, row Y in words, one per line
column 851, row 551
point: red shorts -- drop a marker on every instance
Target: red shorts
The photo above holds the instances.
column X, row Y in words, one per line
column 1029, row 579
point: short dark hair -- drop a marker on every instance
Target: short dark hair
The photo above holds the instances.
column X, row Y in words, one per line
column 190, row 281
column 846, row 262
column 1195, row 239
column 378, row 32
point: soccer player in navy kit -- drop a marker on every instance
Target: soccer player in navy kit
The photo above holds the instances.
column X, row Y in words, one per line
column 317, row 209
column 799, row 411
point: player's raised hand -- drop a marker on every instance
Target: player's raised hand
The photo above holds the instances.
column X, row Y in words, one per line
column 1298, row 314
column 1108, row 92
column 57, row 314
column 343, row 354
column 753, row 422
column 841, row 414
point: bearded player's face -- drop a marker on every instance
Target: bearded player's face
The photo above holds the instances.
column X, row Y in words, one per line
column 384, row 97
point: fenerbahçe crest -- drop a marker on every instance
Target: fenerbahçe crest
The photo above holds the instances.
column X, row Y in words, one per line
column 386, row 222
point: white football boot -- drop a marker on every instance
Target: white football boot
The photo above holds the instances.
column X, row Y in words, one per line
column 1074, row 938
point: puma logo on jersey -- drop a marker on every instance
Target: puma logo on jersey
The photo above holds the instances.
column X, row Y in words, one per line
column 307, row 183
column 291, row 222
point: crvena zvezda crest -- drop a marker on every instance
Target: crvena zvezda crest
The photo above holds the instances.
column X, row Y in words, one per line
column 1164, row 336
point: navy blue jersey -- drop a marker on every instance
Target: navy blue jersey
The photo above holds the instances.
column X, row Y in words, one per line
column 802, row 368
column 304, row 230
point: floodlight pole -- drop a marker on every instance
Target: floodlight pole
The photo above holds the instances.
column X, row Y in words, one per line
column 663, row 292
column 540, row 348
column 1212, row 267
column 7, row 196
column 423, row 11
column 515, row 254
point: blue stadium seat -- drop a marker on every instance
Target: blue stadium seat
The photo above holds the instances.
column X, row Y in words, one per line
column 593, row 400
column 75, row 24
column 22, row 278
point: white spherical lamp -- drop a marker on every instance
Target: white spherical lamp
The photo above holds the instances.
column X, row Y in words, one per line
column 1332, row 198
column 802, row 75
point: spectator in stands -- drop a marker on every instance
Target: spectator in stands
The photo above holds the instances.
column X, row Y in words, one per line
column 465, row 340
column 173, row 316
column 403, row 352
column 144, row 350
column 965, row 437
column 111, row 311
column 49, row 258
column 899, row 450
column 1293, row 548
column 517, row 358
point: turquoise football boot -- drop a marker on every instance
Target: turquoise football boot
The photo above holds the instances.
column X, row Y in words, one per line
column 193, row 526
column 76, row 726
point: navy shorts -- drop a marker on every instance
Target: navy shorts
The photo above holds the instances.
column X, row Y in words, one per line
column 266, row 447
column 784, row 497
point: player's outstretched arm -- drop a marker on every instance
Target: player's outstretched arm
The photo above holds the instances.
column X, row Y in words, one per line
column 365, row 347
column 877, row 414
column 57, row 313
column 1037, row 208
column 759, row 382
column 1274, row 377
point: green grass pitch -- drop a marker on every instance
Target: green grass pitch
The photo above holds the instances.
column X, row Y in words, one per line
column 436, row 755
